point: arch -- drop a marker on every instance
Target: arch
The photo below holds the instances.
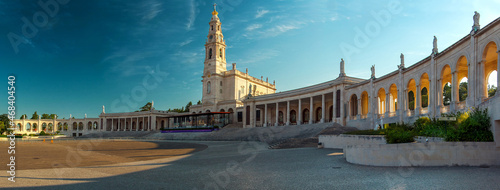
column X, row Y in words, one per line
column 462, row 70
column 222, row 110
column 381, row 101
column 44, row 126
column 65, row 126
column 208, row 111
column 411, row 89
column 19, row 127
column 424, row 84
column 50, row 127
column 28, row 127
column 163, row 124
column 353, row 105
column 134, row 125
column 75, row 126
column 305, row 115
column 59, row 126
column 210, row 53
column 141, row 126
column 445, row 85
column 293, row 116
column 318, row 114
column 89, row 125
column 393, row 98
column 35, row 127
column 364, row 103
column 490, row 61
column 95, row 126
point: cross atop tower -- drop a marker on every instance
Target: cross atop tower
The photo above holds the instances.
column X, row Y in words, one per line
column 215, row 12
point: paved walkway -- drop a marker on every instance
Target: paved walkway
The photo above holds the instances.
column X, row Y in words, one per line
column 250, row 165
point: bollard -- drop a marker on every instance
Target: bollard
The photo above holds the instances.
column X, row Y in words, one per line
column 52, row 141
column 43, row 140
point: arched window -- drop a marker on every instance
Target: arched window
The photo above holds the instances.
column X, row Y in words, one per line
column 220, row 83
column 212, row 27
column 220, row 91
column 210, row 53
column 220, row 52
column 208, row 87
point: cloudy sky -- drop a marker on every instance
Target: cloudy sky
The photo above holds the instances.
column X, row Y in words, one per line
column 75, row 56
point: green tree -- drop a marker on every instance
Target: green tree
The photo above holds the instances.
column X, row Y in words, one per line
column 411, row 100
column 491, row 90
column 462, row 91
column 425, row 98
column 35, row 116
column 5, row 121
column 146, row 107
column 199, row 102
column 48, row 116
column 3, row 128
column 24, row 115
column 446, row 94
column 188, row 106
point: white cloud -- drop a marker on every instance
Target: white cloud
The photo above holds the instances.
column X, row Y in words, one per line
column 253, row 27
column 192, row 15
column 152, row 10
column 261, row 13
column 188, row 41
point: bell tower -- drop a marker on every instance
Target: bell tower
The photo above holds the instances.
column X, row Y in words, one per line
column 215, row 62
column 215, row 47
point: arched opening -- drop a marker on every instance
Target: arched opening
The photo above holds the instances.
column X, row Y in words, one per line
column 28, row 127
column 337, row 104
column 80, row 126
column 490, row 60
column 95, row 126
column 210, row 53
column 141, row 126
column 59, row 126
column 35, row 127
column 44, row 127
column 65, row 126
column 208, row 111
column 305, row 115
column 19, row 127
column 393, row 99
column 381, row 101
column 446, row 85
column 424, row 90
column 462, row 77
column 280, row 117
column 50, row 126
column 447, row 94
column 411, row 94
column 222, row 110
column 353, row 105
column 319, row 114
column 75, row 126
column 364, row 103
column 89, row 125
column 492, row 83
column 134, row 126
column 330, row 115
column 163, row 124
column 293, row 116
column 209, row 87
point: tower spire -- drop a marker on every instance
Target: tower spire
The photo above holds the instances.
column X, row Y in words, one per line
column 215, row 11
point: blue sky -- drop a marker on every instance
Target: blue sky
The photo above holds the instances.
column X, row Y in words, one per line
column 91, row 53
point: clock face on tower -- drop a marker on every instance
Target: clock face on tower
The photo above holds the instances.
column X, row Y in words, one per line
column 211, row 36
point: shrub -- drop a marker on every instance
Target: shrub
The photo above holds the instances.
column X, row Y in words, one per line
column 399, row 133
column 476, row 127
column 42, row 133
column 367, row 132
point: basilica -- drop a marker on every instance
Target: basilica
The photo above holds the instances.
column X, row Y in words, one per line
column 246, row 101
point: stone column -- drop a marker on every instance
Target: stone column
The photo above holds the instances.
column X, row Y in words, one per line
column 498, row 72
column 481, row 83
column 388, row 103
column 418, row 100
column 454, row 91
column 265, row 115
column 277, row 113
column 137, row 124
column 287, row 112
column 245, row 115
column 359, row 109
column 342, row 118
column 406, row 102
column 112, row 123
column 334, row 102
column 311, row 111
column 252, row 114
column 153, row 123
column 299, row 119
column 322, row 108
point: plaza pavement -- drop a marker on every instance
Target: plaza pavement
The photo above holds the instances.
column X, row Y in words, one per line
column 250, row 165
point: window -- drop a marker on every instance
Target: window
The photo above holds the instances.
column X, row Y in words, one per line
column 220, row 91
column 208, row 87
column 220, row 52
column 210, row 53
column 212, row 27
column 220, row 83
column 257, row 115
column 219, row 27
